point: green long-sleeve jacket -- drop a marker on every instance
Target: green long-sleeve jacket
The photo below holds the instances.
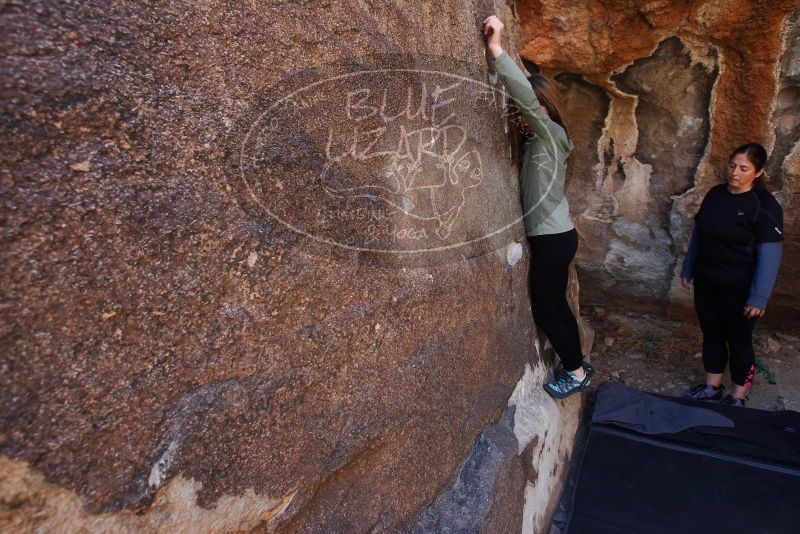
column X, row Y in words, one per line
column 544, row 205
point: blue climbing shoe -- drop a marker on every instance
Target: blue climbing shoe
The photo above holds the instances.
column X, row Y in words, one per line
column 567, row 384
column 706, row 392
column 730, row 400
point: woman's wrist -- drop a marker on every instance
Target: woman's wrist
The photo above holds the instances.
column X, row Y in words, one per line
column 496, row 50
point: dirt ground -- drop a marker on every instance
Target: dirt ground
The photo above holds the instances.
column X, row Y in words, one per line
column 663, row 356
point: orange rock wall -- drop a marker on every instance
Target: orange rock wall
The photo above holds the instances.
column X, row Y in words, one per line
column 635, row 220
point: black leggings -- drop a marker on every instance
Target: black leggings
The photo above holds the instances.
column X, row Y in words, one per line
column 550, row 258
column 727, row 333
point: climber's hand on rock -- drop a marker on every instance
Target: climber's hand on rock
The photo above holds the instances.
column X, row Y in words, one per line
column 686, row 283
column 752, row 311
column 492, row 31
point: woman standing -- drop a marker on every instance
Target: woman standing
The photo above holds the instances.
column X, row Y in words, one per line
column 551, row 234
column 733, row 257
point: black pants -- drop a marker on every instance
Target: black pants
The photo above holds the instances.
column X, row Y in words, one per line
column 727, row 333
column 549, row 274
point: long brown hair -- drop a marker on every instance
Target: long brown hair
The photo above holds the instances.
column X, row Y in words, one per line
column 547, row 95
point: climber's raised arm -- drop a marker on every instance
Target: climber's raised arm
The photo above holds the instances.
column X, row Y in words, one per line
column 514, row 79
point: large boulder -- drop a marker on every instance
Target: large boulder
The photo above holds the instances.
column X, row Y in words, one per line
column 221, row 312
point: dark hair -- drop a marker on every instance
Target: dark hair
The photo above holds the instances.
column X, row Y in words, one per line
column 757, row 155
column 547, row 95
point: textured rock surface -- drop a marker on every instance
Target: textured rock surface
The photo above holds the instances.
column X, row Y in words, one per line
column 784, row 168
column 174, row 359
column 658, row 94
column 528, row 450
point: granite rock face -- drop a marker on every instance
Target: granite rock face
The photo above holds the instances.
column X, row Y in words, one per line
column 658, row 94
column 214, row 318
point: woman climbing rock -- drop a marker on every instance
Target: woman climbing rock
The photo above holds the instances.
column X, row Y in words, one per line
column 551, row 234
column 733, row 261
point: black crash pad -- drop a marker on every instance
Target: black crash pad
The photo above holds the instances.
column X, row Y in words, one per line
column 724, row 478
